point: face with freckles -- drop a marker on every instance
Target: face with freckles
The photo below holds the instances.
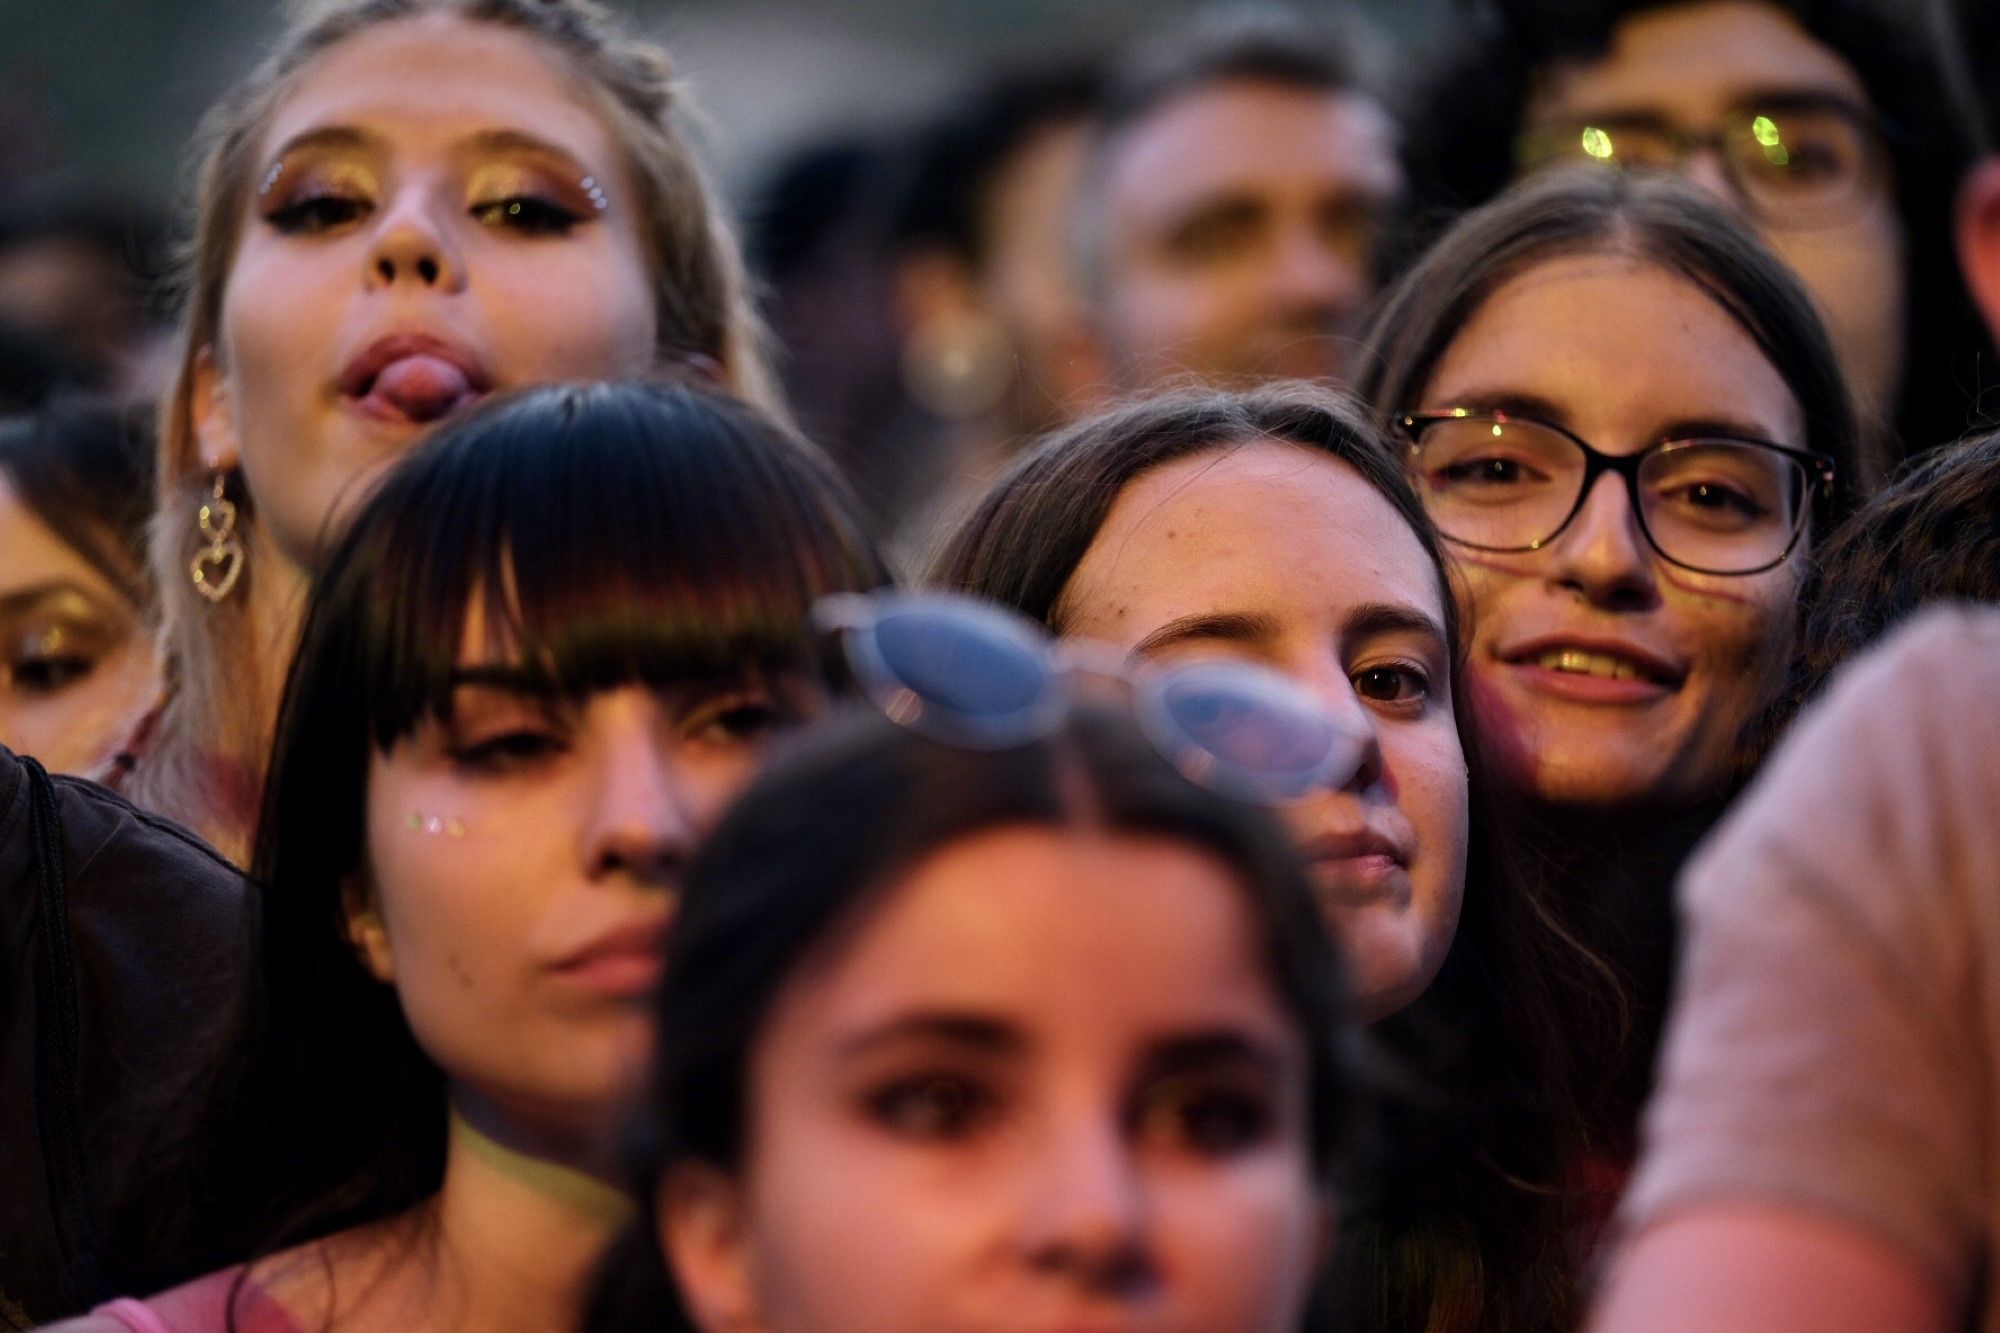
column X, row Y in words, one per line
column 1287, row 557
column 523, row 857
column 440, row 213
column 1600, row 674
column 960, row 1119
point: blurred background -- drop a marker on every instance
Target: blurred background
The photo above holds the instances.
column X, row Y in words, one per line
column 111, row 89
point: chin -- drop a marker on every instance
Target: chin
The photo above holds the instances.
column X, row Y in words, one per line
column 1387, row 970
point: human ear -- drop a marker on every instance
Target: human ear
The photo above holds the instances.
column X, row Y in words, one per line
column 366, row 931
column 1977, row 227
column 214, row 412
column 703, row 1234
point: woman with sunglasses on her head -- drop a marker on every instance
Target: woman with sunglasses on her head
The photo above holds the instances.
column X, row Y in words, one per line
column 1629, row 427
column 412, row 204
column 1276, row 526
column 544, row 654
column 890, row 1099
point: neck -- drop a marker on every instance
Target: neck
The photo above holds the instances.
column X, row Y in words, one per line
column 522, row 1220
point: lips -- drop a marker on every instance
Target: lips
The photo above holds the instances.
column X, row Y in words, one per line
column 1597, row 659
column 413, row 378
column 621, row 961
column 1358, row 866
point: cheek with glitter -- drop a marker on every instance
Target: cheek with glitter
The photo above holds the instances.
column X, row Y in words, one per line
column 436, row 826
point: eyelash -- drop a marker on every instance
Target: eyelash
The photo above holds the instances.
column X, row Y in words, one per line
column 1407, row 675
column 528, row 214
column 508, row 751
column 932, row 1108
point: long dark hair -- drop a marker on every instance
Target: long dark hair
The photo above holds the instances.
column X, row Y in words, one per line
column 834, row 822
column 1653, row 218
column 1474, row 101
column 1472, row 1234
column 641, row 533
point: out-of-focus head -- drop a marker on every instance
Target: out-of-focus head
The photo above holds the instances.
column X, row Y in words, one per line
column 1931, row 536
column 1978, row 219
column 79, row 271
column 986, row 283
column 1836, row 129
column 1626, row 419
column 967, row 1038
column 76, row 488
column 1233, row 201
column 1273, row 525
column 547, row 651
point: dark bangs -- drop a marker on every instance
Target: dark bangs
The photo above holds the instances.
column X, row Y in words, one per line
column 603, row 535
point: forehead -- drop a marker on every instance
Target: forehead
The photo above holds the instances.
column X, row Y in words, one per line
column 1572, row 329
column 1251, row 137
column 1151, row 933
column 1695, row 61
column 31, row 553
column 1265, row 527
column 427, row 80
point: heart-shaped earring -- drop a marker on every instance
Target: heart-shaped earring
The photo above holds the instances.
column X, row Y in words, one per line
column 218, row 565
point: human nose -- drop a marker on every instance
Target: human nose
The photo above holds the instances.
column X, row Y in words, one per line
column 642, row 818
column 1329, row 684
column 1602, row 553
column 1085, row 1220
column 1313, row 272
column 412, row 244
column 1703, row 167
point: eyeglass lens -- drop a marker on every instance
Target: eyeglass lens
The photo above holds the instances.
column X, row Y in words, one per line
column 979, row 671
column 1716, row 505
column 1252, row 735
column 1804, row 163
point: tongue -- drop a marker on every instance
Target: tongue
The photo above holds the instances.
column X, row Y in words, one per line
column 422, row 387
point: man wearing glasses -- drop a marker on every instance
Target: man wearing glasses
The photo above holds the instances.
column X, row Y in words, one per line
column 1833, row 127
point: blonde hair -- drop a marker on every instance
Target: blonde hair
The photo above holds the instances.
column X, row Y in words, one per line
column 220, row 693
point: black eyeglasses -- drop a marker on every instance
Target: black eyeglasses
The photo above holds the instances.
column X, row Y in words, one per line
column 979, row 675
column 1803, row 160
column 1713, row 504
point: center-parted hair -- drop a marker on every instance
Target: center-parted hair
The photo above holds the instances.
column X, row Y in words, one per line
column 1651, row 218
column 604, row 535
column 840, row 818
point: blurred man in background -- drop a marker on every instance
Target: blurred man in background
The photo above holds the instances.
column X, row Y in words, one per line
column 1233, row 203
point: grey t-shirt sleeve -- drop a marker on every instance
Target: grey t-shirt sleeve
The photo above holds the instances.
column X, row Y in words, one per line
column 1830, row 1047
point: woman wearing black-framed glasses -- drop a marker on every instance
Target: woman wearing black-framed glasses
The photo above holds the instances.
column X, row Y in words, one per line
column 1629, row 427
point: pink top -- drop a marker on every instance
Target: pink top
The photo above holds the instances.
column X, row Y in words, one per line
column 202, row 1306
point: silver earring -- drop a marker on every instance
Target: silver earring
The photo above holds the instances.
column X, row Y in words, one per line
column 218, row 565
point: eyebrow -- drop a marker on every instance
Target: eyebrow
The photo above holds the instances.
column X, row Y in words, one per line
column 492, row 141
column 1516, row 404
column 1204, row 1050
column 1372, row 618
column 23, row 598
column 986, row 1035
column 1226, row 626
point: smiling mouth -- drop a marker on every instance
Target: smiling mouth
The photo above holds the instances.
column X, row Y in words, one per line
column 1602, row 666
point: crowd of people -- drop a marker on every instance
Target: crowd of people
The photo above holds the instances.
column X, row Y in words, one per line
column 1242, row 689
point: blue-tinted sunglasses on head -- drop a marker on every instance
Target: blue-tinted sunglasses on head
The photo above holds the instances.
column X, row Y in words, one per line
column 979, row 675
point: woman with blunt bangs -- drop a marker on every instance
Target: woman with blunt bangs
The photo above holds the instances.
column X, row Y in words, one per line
column 1630, row 429
column 545, row 653
column 1276, row 525
column 890, row 1099
column 410, row 205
